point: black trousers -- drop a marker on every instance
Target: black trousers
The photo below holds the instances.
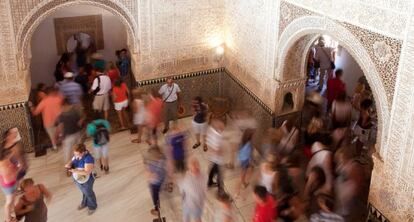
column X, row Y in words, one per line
column 215, row 171
column 155, row 195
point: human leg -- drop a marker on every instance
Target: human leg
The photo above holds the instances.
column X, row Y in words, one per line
column 155, row 195
column 89, row 197
column 213, row 172
column 51, row 132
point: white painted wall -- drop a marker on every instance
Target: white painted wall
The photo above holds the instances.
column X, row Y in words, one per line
column 352, row 71
column 44, row 51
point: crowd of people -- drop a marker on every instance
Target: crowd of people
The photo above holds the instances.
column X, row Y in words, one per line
column 296, row 172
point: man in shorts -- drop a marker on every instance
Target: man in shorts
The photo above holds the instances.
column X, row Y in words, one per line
column 101, row 87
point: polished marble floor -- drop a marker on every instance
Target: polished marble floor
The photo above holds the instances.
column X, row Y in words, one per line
column 123, row 194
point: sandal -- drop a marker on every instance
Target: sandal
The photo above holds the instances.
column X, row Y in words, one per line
column 196, row 145
column 136, row 141
column 205, row 148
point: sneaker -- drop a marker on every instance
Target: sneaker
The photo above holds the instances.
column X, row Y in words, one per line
column 154, row 212
column 81, row 207
column 196, row 145
column 102, row 167
column 90, row 212
column 106, row 169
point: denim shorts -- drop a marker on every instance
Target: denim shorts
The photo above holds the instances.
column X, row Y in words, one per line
column 9, row 190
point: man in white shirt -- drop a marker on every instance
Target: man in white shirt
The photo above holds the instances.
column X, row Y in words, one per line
column 101, row 87
column 324, row 55
column 170, row 93
column 214, row 140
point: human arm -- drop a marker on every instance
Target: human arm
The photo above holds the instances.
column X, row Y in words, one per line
column 45, row 192
column 94, row 84
column 22, row 209
column 38, row 109
column 86, row 171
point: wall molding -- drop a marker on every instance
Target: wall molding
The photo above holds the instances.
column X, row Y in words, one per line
column 12, row 106
column 374, row 215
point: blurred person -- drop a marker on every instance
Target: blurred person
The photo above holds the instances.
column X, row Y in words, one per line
column 224, row 212
column 50, row 108
column 140, row 113
column 176, row 140
column 123, row 63
column 322, row 157
column 154, row 115
column 120, row 94
column 325, row 213
column 290, row 137
column 69, row 124
column 101, row 88
column 82, row 80
column 97, row 61
column 314, row 132
column 335, row 87
column 112, row 72
column 265, row 210
column 81, row 166
column 362, row 129
column 268, row 174
column 214, row 140
column 313, row 106
column 31, row 205
column 71, row 90
column 341, row 112
column 311, row 64
column 243, row 121
column 99, row 130
column 350, row 185
column 295, row 211
column 295, row 171
column 155, row 164
column 199, row 121
column 40, row 92
column 270, row 141
column 193, row 191
column 245, row 156
column 325, row 58
column 314, row 185
column 13, row 147
column 170, row 93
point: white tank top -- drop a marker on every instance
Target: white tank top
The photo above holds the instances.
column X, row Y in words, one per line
column 267, row 180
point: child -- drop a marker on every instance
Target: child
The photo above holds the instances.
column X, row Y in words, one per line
column 138, row 106
column 99, row 129
column 265, row 205
column 224, row 212
column 176, row 140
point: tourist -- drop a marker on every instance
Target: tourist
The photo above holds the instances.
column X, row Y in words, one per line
column 170, row 93
column 50, row 108
column 12, row 145
column 224, row 210
column 97, row 61
column 69, row 124
column 40, row 92
column 322, row 157
column 99, row 130
column 101, row 87
column 363, row 127
column 140, row 113
column 335, row 87
column 31, row 205
column 290, row 137
column 325, row 59
column 120, row 95
column 81, row 166
column 268, row 174
column 112, row 72
column 199, row 121
column 71, row 90
column 176, row 140
column 341, row 112
column 82, row 80
column 214, row 142
column 314, row 185
column 154, row 115
column 245, row 156
column 314, row 132
column 8, row 182
column 193, row 191
column 155, row 163
column 265, row 210
column 325, row 213
column 123, row 63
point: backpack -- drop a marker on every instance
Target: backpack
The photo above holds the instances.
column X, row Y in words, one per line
column 101, row 136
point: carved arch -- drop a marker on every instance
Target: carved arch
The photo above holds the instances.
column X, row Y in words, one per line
column 314, row 25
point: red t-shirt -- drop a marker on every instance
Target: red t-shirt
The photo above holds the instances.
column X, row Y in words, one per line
column 120, row 93
column 113, row 75
column 154, row 109
column 265, row 212
column 334, row 88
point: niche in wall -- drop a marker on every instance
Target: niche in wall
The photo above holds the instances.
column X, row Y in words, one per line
column 68, row 27
column 288, row 103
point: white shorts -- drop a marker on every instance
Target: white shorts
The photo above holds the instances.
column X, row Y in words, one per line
column 121, row 105
column 101, row 151
column 199, row 128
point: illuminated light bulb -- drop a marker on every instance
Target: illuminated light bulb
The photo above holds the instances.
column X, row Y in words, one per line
column 219, row 50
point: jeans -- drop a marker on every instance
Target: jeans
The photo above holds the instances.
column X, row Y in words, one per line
column 215, row 170
column 155, row 195
column 88, row 196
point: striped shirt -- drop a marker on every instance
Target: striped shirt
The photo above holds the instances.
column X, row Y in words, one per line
column 326, row 217
column 72, row 91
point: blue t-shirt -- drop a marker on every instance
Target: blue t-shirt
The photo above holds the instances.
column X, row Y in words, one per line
column 157, row 168
column 245, row 152
column 80, row 163
column 177, row 143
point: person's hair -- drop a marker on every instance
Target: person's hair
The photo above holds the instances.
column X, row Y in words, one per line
column 117, row 52
column 98, row 69
column 41, row 86
column 341, row 97
column 326, row 200
column 320, row 177
column 315, row 125
column 247, row 136
column 346, row 152
column 293, row 160
column 137, row 93
column 261, row 192
column 110, row 65
column 80, row 148
column 88, row 69
column 123, row 50
column 26, row 182
column 291, row 122
column 199, row 99
column 224, row 197
column 118, row 82
column 366, row 104
column 339, row 73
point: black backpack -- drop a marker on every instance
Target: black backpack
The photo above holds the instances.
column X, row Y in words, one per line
column 102, row 135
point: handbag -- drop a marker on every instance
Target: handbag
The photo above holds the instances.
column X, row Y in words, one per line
column 98, row 88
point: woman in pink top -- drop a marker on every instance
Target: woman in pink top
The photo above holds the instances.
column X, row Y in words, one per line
column 50, row 107
column 154, row 112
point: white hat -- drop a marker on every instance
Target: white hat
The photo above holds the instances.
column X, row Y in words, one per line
column 68, row 75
